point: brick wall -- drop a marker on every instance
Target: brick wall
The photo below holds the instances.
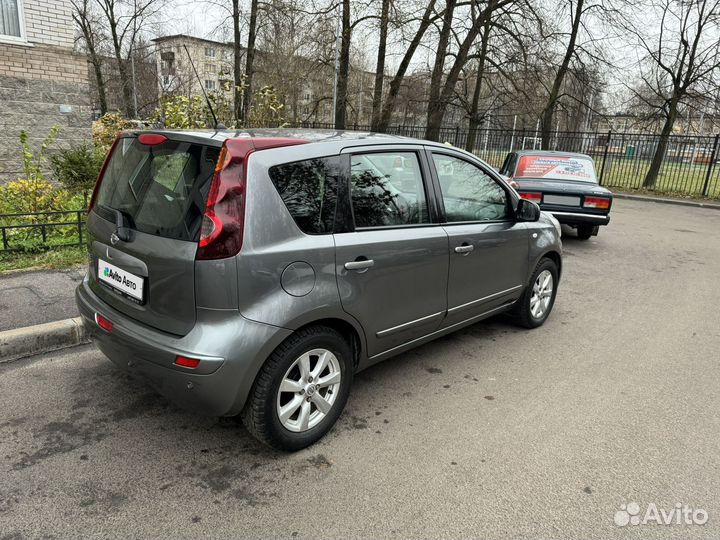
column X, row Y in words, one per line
column 42, row 83
column 49, row 22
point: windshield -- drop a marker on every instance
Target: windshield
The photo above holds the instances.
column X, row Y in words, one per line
column 161, row 189
column 578, row 169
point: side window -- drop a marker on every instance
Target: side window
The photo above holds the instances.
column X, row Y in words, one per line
column 469, row 194
column 309, row 190
column 506, row 165
column 387, row 189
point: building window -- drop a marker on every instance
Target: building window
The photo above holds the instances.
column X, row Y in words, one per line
column 166, row 80
column 10, row 19
column 307, row 97
column 210, row 85
column 227, row 56
column 210, row 52
column 209, row 68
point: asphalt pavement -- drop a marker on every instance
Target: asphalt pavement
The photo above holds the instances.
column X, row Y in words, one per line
column 36, row 297
column 491, row 432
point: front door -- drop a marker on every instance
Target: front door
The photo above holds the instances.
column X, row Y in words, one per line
column 488, row 249
column 392, row 270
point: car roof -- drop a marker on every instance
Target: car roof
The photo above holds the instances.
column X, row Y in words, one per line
column 350, row 138
column 549, row 153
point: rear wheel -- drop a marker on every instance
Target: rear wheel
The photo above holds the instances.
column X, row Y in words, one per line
column 584, row 232
column 300, row 390
column 536, row 303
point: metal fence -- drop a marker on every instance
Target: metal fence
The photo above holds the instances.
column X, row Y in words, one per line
column 690, row 165
column 32, row 230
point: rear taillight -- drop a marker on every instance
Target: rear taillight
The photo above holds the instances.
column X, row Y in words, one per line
column 602, row 203
column 531, row 196
column 223, row 223
column 100, row 177
column 103, row 323
column 221, row 232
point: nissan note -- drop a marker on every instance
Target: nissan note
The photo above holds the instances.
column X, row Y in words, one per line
column 254, row 273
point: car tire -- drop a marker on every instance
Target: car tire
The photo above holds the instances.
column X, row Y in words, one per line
column 584, row 232
column 525, row 311
column 268, row 401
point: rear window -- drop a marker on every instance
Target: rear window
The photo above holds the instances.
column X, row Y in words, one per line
column 162, row 189
column 309, row 190
column 578, row 169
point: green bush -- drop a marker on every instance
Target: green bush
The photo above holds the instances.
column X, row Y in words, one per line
column 77, row 169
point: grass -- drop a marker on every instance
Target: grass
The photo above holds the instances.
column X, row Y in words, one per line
column 52, row 259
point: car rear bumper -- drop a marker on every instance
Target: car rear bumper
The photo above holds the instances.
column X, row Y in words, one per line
column 579, row 218
column 231, row 349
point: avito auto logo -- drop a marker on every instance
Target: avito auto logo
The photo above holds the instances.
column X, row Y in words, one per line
column 108, row 273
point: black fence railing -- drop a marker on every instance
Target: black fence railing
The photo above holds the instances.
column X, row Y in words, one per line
column 690, row 166
column 34, row 230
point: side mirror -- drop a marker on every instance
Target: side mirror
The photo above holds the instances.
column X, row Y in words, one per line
column 527, row 211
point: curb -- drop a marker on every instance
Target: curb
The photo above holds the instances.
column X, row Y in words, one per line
column 41, row 338
column 680, row 202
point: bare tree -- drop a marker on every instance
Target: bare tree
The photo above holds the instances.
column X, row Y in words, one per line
column 90, row 28
column 237, row 57
column 380, row 65
column 249, row 59
column 343, row 67
column 679, row 59
column 126, row 20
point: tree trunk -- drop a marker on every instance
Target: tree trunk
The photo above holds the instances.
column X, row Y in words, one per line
column 344, row 68
column 380, row 66
column 122, row 69
column 661, row 149
column 396, row 83
column 475, row 118
column 100, row 81
column 237, row 71
column 249, row 59
column 548, row 113
column 436, row 110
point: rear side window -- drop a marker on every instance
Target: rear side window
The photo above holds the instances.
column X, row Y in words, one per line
column 387, row 190
column 309, row 190
column 161, row 189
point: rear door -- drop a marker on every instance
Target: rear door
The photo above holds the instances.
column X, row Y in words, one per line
column 157, row 192
column 392, row 269
column 488, row 249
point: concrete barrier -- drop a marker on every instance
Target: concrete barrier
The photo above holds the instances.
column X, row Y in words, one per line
column 41, row 338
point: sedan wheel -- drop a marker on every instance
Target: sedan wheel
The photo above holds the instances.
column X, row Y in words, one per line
column 301, row 389
column 541, row 294
column 536, row 303
column 308, row 390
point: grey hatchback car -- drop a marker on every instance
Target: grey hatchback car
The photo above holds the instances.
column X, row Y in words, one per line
column 254, row 273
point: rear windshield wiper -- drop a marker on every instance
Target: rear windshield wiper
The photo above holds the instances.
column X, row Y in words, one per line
column 123, row 223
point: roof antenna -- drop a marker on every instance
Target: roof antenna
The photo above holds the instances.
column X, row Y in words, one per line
column 218, row 125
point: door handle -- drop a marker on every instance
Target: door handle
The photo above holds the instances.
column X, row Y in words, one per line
column 361, row 265
column 464, row 249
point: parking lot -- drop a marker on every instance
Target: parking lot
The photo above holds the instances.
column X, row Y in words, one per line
column 491, row 432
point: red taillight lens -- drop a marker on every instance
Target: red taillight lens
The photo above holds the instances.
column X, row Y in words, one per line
column 103, row 323
column 151, row 139
column 183, row 361
column 221, row 232
column 596, row 202
column 530, row 196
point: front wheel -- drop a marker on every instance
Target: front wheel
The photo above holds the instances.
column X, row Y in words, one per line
column 534, row 306
column 301, row 389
